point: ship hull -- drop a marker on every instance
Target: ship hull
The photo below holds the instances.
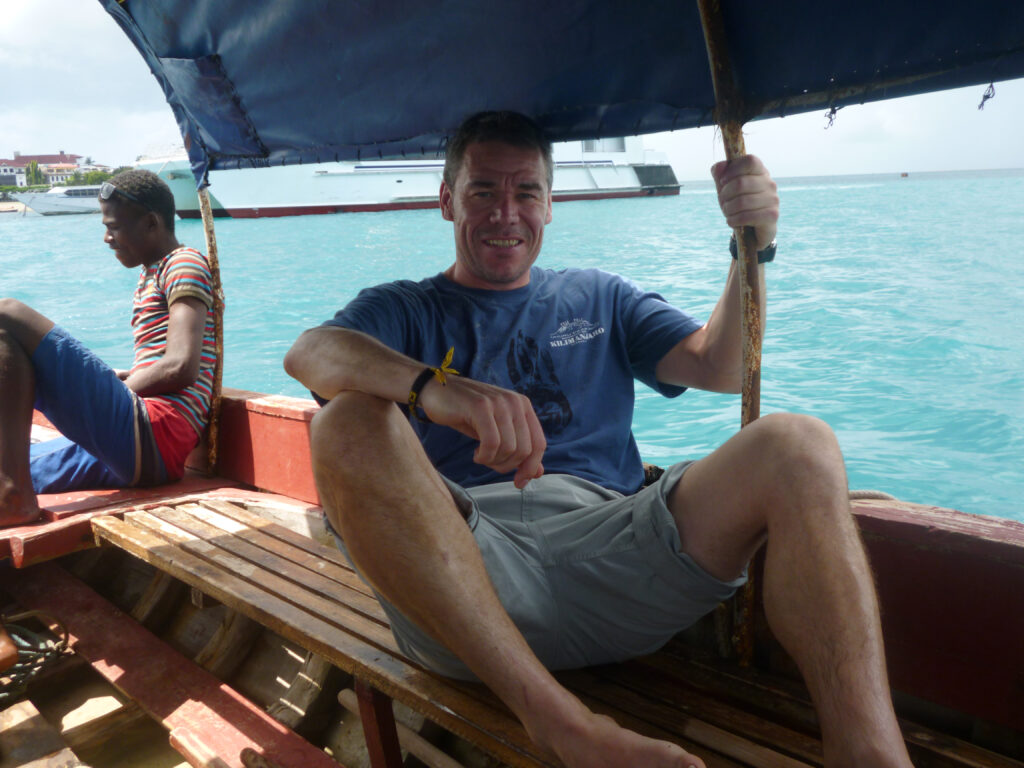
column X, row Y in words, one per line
column 322, row 188
column 62, row 201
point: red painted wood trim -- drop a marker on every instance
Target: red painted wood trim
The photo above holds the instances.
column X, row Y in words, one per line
column 58, row 506
column 567, row 197
column 169, row 687
column 379, row 728
column 947, row 529
column 265, row 443
column 64, row 526
column 951, row 591
column 52, row 540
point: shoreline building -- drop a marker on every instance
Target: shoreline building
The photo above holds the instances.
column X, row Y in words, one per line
column 56, row 168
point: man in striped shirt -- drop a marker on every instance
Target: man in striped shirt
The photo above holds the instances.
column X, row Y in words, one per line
column 121, row 428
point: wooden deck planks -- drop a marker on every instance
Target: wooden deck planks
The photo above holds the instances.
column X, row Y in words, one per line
column 369, row 654
column 668, row 702
column 783, row 702
column 307, row 593
column 317, row 575
column 170, row 687
column 290, row 571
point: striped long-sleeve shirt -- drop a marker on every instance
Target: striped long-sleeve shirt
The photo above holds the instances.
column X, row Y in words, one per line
column 183, row 272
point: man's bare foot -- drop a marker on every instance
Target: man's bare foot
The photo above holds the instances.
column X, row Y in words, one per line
column 597, row 741
column 16, row 507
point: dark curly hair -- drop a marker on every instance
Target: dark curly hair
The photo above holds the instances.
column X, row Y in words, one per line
column 504, row 126
column 150, row 190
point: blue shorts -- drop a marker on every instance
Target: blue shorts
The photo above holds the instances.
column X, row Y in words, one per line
column 107, row 440
column 589, row 576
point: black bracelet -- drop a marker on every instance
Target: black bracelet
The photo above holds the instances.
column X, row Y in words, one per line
column 763, row 257
column 414, row 395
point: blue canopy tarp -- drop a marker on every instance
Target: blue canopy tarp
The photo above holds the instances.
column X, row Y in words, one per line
column 255, row 83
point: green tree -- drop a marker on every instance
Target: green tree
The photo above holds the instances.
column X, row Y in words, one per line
column 96, row 177
column 33, row 175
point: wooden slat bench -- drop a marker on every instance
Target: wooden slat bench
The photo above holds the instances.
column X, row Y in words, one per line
column 264, row 445
column 65, row 523
column 307, row 593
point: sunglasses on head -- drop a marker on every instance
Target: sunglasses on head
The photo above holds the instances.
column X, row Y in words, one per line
column 107, row 191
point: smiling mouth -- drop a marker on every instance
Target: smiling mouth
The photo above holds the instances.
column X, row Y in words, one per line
column 503, row 242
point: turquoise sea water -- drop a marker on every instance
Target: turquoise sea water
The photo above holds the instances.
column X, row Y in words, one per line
column 896, row 310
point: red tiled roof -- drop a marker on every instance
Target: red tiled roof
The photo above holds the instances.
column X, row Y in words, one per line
column 23, row 160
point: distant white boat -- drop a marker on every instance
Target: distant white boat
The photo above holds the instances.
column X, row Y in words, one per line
column 62, row 200
column 584, row 170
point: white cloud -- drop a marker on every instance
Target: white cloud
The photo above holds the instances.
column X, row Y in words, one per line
column 86, row 90
column 939, row 131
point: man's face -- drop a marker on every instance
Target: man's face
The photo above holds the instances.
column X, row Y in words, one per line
column 499, row 207
column 128, row 232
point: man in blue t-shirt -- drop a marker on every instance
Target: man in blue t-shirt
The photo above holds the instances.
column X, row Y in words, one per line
column 497, row 510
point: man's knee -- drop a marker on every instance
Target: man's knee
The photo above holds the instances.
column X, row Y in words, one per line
column 799, row 452
column 26, row 326
column 12, row 311
column 9, row 310
column 352, row 430
column 798, row 431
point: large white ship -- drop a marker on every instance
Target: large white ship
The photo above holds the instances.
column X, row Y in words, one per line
column 584, row 170
column 62, row 200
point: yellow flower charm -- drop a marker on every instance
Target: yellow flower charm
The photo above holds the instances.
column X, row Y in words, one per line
column 439, row 373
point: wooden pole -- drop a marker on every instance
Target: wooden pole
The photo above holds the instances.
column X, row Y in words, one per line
column 729, row 115
column 218, row 328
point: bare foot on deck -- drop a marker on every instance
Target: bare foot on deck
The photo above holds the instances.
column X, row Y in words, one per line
column 597, row 741
column 16, row 507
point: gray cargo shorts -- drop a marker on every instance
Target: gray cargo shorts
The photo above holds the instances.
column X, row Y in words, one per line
column 589, row 576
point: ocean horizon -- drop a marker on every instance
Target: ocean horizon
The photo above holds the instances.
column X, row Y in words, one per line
column 893, row 312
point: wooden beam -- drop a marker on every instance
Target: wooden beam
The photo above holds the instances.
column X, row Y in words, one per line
column 409, row 740
column 379, row 730
column 168, row 686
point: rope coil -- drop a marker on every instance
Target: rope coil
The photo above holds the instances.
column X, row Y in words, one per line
column 36, row 652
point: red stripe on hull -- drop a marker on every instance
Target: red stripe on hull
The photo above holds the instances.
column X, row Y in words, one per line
column 565, row 197
column 308, row 210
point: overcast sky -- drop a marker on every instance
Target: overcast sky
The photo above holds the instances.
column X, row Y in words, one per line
column 70, row 80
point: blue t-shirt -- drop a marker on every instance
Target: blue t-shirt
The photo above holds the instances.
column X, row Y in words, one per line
column 571, row 341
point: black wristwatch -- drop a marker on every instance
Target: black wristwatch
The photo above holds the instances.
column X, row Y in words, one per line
column 763, row 256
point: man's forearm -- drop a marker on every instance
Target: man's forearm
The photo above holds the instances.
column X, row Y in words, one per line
column 162, row 377
column 331, row 360
column 724, row 328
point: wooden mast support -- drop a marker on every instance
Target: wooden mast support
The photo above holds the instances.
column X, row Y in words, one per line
column 729, row 115
column 218, row 328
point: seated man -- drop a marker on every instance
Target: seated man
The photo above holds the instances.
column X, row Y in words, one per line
column 121, row 428
column 502, row 521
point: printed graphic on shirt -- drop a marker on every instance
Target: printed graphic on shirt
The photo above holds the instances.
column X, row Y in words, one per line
column 532, row 373
column 575, row 331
